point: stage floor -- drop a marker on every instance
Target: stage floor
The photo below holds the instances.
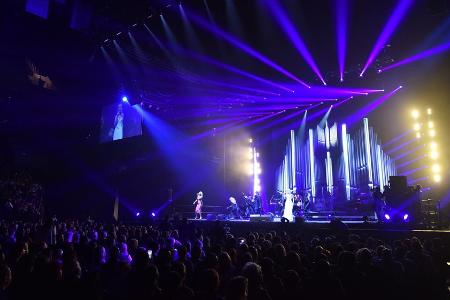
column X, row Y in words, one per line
column 311, row 227
column 278, row 220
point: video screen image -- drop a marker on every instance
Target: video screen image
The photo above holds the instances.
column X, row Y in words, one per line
column 120, row 121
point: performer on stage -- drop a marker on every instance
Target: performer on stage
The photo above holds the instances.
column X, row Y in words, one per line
column 378, row 202
column 289, row 205
column 257, row 202
column 233, row 209
column 198, row 205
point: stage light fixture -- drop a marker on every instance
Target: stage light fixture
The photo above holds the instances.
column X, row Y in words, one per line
column 416, row 126
column 405, row 217
column 415, row 114
column 436, row 168
column 433, row 145
column 437, row 178
column 418, row 135
column 430, row 124
column 434, row 155
column 429, row 111
column 250, row 169
column 138, row 214
column 124, row 99
column 153, row 214
column 250, row 140
column 432, row 133
column 387, row 217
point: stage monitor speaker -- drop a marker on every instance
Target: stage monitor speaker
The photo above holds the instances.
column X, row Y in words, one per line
column 211, row 217
column 221, row 217
column 398, row 183
column 260, row 218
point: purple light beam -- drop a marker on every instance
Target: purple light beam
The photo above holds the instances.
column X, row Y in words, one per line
column 244, row 47
column 323, row 111
column 397, row 138
column 238, row 71
column 341, row 33
column 400, row 147
column 289, row 29
column 395, row 18
column 407, row 163
column 405, row 154
column 419, row 56
column 361, row 113
column 410, row 172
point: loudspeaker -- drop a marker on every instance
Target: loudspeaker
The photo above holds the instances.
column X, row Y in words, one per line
column 211, row 217
column 221, row 217
column 398, row 183
column 260, row 218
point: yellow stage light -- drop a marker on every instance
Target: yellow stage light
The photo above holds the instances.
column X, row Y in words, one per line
column 418, row 135
column 415, row 114
column 429, row 112
column 416, row 126
column 432, row 133
column 430, row 124
column 433, row 145
column 437, row 178
column 434, row 155
column 436, row 168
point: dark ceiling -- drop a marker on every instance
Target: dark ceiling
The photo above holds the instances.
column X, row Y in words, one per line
column 69, row 53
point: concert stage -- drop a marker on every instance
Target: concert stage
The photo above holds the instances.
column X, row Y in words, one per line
column 310, row 228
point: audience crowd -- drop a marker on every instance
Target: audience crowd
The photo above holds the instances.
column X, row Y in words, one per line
column 21, row 197
column 92, row 260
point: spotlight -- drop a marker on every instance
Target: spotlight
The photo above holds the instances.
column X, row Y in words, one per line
column 138, row 214
column 430, row 124
column 250, row 169
column 432, row 133
column 416, row 126
column 429, row 112
column 250, row 140
column 436, row 168
column 415, row 114
column 437, row 178
column 434, row 155
column 433, row 145
column 405, row 217
column 418, row 135
column 153, row 214
column 124, row 99
column 387, row 217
